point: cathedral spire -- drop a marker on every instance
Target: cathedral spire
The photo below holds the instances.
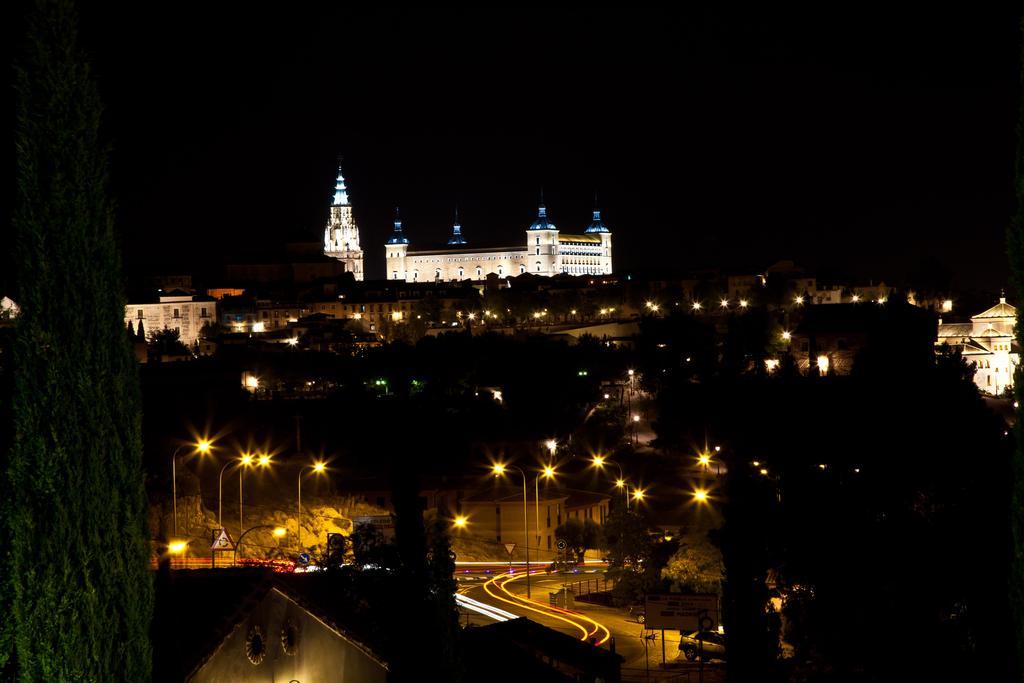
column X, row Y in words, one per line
column 340, row 193
column 457, row 237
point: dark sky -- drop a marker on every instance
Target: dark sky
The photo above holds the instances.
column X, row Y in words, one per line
column 858, row 143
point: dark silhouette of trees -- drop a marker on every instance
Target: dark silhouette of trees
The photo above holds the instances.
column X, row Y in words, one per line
column 76, row 593
column 1015, row 251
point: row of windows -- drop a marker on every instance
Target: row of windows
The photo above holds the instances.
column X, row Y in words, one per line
column 176, row 313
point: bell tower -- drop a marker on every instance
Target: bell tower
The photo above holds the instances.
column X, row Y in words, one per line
column 341, row 236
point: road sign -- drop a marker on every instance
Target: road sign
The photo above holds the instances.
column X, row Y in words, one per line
column 683, row 612
column 561, row 544
column 510, row 547
column 304, row 558
column 222, row 541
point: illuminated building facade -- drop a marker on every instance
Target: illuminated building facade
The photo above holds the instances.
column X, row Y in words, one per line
column 987, row 342
column 181, row 311
column 341, row 236
column 546, row 252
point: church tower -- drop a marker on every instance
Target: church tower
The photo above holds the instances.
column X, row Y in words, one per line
column 341, row 236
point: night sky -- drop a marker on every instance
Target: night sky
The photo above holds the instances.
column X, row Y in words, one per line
column 874, row 145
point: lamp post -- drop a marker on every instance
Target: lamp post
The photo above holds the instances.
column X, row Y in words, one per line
column 499, row 470
column 203, row 447
column 317, row 467
column 220, row 493
column 620, row 483
column 548, row 473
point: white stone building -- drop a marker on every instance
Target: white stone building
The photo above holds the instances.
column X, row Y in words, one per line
column 546, row 252
column 341, row 236
column 987, row 342
column 175, row 311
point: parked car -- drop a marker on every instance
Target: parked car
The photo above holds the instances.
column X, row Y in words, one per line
column 713, row 645
column 638, row 612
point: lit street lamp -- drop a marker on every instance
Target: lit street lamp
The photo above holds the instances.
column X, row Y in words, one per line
column 620, row 483
column 548, row 473
column 499, row 469
column 202, row 447
column 246, row 461
column 319, row 468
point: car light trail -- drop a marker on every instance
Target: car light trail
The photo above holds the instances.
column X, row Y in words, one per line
column 584, row 624
column 522, row 604
column 597, row 626
column 495, row 613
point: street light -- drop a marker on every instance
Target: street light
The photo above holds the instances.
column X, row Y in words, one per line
column 700, row 495
column 552, row 445
column 704, row 460
column 600, row 461
column 203, row 446
column 499, row 470
column 638, row 494
column 247, row 461
column 548, row 473
column 318, row 468
column 460, row 522
column 177, row 547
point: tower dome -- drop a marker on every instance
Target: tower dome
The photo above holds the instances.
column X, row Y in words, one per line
column 542, row 222
column 398, row 237
column 597, row 225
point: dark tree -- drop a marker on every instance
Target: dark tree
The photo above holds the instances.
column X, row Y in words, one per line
column 1015, row 250
column 76, row 594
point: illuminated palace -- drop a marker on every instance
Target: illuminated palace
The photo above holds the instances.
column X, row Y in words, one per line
column 546, row 252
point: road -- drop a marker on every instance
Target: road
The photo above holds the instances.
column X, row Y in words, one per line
column 609, row 627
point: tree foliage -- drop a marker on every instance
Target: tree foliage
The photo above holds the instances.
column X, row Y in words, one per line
column 580, row 535
column 77, row 594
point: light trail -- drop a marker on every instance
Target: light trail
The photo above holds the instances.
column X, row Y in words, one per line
column 474, row 606
column 521, row 604
column 562, row 615
column 597, row 626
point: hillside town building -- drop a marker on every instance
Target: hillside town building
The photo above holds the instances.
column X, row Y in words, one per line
column 987, row 342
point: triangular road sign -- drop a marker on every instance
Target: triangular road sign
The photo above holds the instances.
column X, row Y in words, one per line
column 222, row 541
column 509, row 547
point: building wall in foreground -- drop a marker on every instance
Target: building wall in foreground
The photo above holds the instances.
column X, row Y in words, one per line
column 320, row 653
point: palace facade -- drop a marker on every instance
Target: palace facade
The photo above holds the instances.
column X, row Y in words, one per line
column 546, row 251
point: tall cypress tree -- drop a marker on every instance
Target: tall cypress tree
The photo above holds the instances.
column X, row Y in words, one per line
column 77, row 591
column 1015, row 250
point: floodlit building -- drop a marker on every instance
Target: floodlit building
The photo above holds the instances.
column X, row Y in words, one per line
column 341, row 236
column 546, row 252
column 176, row 310
column 987, row 342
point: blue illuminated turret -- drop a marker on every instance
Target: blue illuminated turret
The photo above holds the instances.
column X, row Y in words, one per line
column 340, row 193
column 597, row 225
column 542, row 222
column 457, row 237
column 398, row 237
